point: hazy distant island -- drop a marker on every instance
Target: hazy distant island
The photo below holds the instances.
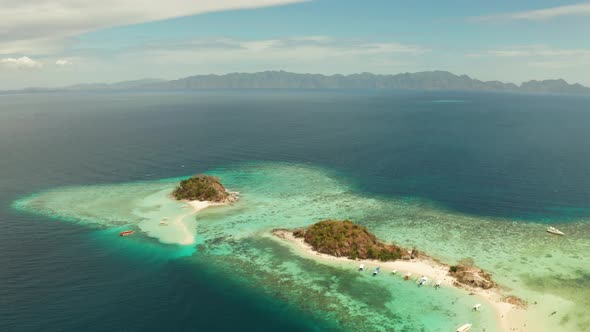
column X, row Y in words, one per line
column 203, row 187
column 427, row 80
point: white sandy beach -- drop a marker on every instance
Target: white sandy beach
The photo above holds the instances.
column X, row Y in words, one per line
column 510, row 317
column 176, row 226
column 188, row 231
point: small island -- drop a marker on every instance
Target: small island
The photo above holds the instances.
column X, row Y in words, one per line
column 203, row 187
column 197, row 193
column 344, row 242
column 347, row 239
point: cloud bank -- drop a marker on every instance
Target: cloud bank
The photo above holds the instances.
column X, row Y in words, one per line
column 539, row 56
column 62, row 62
column 581, row 9
column 299, row 47
column 33, row 26
column 538, row 50
column 292, row 53
column 19, row 63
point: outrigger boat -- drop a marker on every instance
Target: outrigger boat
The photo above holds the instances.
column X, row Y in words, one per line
column 554, row 230
column 464, row 328
column 126, row 233
column 377, row 270
column 422, row 281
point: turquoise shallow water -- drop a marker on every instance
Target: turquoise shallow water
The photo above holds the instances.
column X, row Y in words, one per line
column 233, row 241
column 477, row 178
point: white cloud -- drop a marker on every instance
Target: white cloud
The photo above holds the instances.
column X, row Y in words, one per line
column 292, row 49
column 295, row 53
column 540, row 56
column 62, row 62
column 538, row 50
column 581, row 9
column 29, row 26
column 22, row 62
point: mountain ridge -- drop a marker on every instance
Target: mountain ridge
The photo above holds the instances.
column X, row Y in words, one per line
column 425, row 80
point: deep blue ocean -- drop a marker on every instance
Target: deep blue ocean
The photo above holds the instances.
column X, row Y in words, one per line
column 518, row 156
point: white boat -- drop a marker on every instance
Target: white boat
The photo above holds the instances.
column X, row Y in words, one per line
column 422, row 281
column 477, row 307
column 362, row 267
column 438, row 283
column 394, row 271
column 163, row 223
column 464, row 328
column 554, row 230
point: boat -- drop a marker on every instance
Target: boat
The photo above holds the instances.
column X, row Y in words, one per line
column 394, row 271
column 362, row 267
column 422, row 281
column 438, row 283
column 464, row 328
column 126, row 233
column 477, row 307
column 163, row 223
column 407, row 276
column 377, row 270
column 554, row 230
column 165, row 218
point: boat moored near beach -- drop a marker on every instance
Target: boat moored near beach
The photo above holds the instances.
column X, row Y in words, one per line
column 554, row 230
column 376, row 272
column 422, row 281
column 408, row 276
column 464, row 328
column 126, row 233
column 362, row 267
column 477, row 307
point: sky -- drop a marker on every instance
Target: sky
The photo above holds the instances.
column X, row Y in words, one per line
column 53, row 43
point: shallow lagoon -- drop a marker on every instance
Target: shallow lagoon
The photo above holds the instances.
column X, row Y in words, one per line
column 232, row 240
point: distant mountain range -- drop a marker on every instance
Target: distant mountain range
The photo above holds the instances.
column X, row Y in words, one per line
column 428, row 80
column 115, row 86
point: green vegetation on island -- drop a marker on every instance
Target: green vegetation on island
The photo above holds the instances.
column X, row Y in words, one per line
column 201, row 188
column 347, row 239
